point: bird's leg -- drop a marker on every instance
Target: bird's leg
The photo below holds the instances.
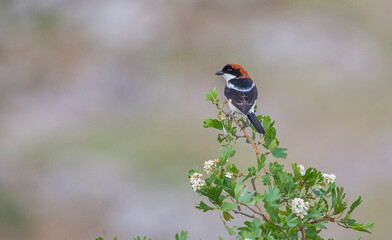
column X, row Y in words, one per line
column 230, row 114
column 247, row 124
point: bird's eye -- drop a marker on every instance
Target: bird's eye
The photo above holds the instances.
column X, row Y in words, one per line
column 230, row 69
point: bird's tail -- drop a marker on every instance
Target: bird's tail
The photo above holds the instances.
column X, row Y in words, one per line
column 255, row 122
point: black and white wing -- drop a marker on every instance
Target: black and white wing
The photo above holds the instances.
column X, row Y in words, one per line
column 241, row 96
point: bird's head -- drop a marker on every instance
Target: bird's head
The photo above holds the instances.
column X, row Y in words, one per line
column 231, row 71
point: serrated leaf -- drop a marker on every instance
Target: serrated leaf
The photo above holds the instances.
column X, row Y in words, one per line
column 272, row 195
column 261, row 162
column 234, row 169
column 245, row 197
column 209, row 97
column 279, row 153
column 204, row 207
column 273, row 145
column 230, row 230
column 320, row 225
column 226, row 206
column 297, row 174
column 266, row 179
column 214, row 123
column 251, row 172
column 269, row 202
column 266, row 121
column 315, row 212
column 256, row 199
column 362, row 228
column 214, row 92
column 292, row 220
column 226, row 152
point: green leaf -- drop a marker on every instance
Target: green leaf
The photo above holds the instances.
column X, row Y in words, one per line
column 297, row 174
column 183, row 235
column 269, row 202
column 279, row 153
column 251, row 172
column 226, row 206
column 233, row 168
column 354, row 205
column 261, row 162
column 266, row 179
column 292, row 220
column 214, row 92
column 315, row 212
column 272, row 195
column 312, row 232
column 204, row 207
column 273, row 145
column 320, row 225
column 227, row 216
column 338, row 204
column 361, row 227
column 115, row 238
column 266, row 121
column 256, row 199
column 245, row 197
column 207, row 123
column 100, row 238
column 239, row 187
column 209, row 97
column 226, row 152
column 230, row 230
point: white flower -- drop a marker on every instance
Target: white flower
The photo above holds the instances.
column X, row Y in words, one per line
column 196, row 181
column 229, row 175
column 329, row 178
column 208, row 166
column 299, row 207
column 302, row 170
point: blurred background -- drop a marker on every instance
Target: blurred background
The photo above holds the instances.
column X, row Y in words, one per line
column 102, row 103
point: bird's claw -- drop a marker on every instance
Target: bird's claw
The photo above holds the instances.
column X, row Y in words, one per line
column 245, row 125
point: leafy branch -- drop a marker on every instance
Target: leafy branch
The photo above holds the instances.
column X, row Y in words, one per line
column 293, row 205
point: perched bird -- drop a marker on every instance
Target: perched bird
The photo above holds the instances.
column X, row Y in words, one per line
column 241, row 93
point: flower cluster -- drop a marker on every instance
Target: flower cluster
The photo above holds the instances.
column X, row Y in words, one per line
column 302, row 170
column 299, row 207
column 196, row 181
column 208, row 165
column 329, row 178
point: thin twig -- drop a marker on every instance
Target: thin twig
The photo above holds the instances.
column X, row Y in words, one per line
column 265, row 218
column 303, row 233
column 247, row 137
column 330, row 219
column 245, row 214
column 254, row 186
column 252, row 142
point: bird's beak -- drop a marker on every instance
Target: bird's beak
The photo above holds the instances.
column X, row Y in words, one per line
column 219, row 73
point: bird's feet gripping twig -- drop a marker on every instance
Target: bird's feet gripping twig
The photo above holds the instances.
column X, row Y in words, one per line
column 247, row 124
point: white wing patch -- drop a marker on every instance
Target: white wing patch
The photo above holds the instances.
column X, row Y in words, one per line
column 229, row 85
